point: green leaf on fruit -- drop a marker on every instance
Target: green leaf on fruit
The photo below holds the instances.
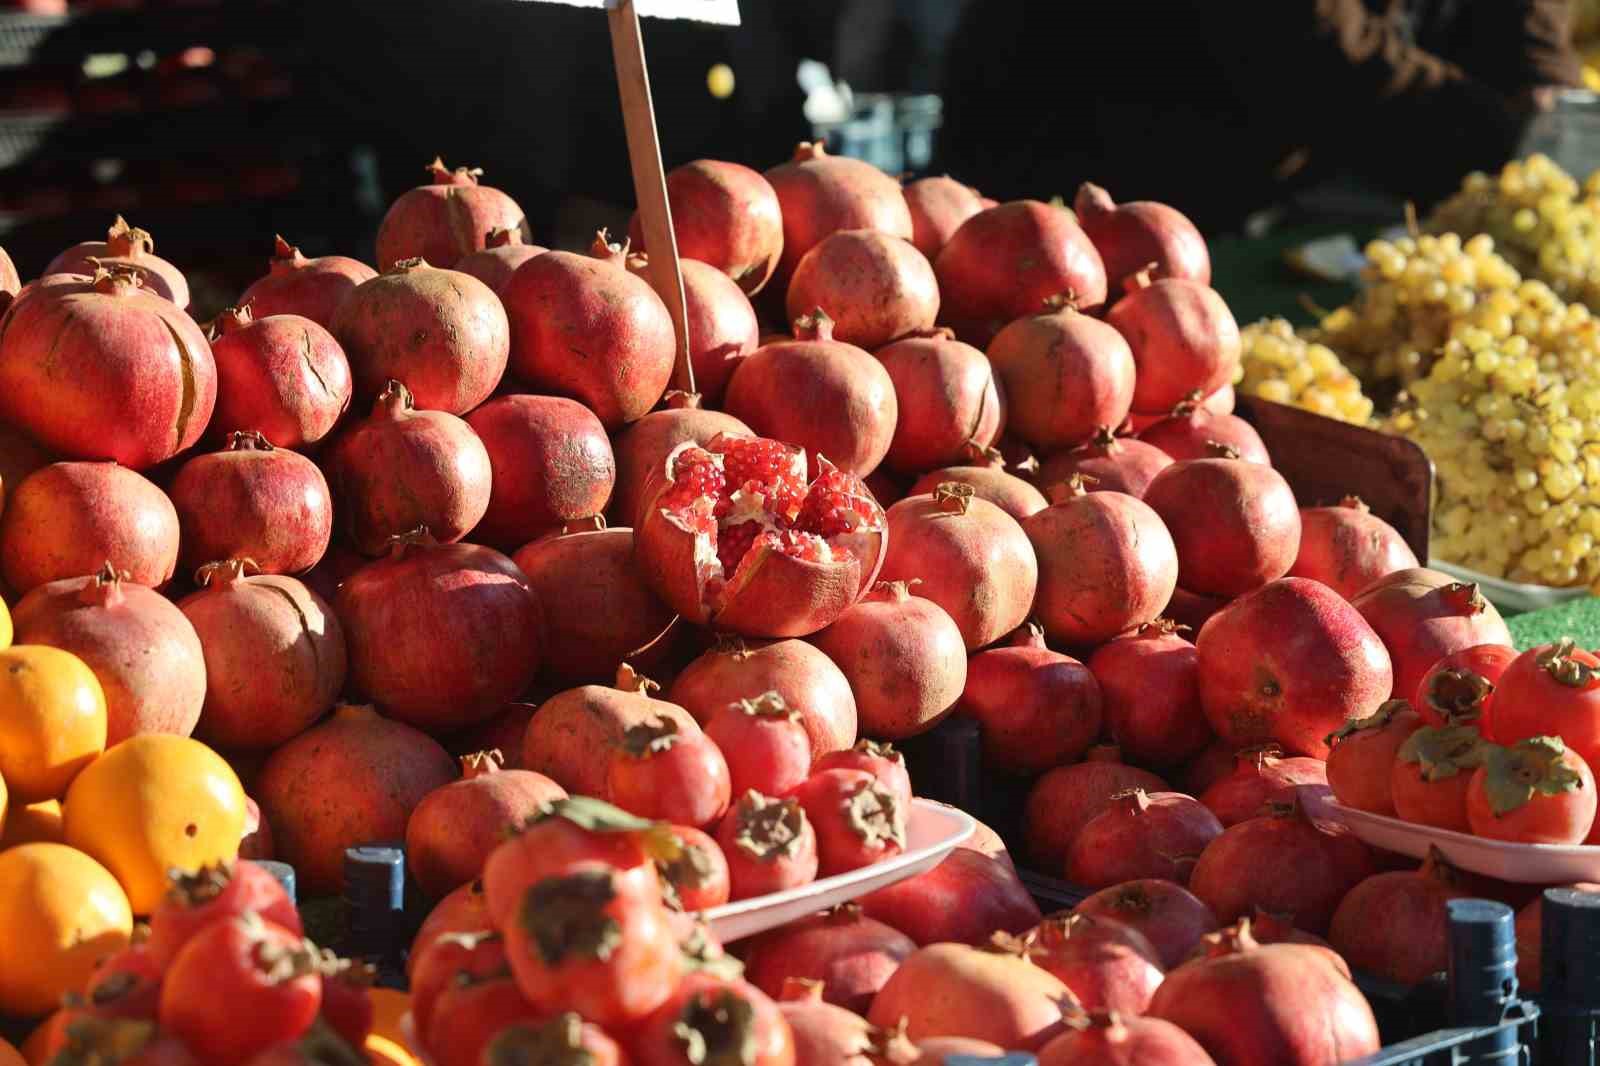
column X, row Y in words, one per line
column 1536, row 766
column 1442, row 752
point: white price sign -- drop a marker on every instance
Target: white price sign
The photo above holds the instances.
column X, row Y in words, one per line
column 721, row 12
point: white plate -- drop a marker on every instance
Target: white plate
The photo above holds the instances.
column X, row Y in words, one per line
column 1528, row 864
column 1513, row 595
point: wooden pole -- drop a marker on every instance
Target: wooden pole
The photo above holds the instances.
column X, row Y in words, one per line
column 649, row 175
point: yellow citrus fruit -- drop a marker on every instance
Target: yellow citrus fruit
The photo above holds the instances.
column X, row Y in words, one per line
column 10, row 1056
column 152, row 804
column 5, row 642
column 36, row 823
column 60, row 913
column 385, row 1052
column 52, row 720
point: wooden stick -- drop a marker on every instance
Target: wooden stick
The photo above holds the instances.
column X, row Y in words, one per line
column 649, row 175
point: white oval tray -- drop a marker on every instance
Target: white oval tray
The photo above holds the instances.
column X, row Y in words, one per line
column 1512, row 595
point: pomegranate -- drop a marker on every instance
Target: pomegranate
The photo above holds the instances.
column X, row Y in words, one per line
column 440, row 635
column 502, row 733
column 805, row 679
column 281, row 375
column 402, row 468
column 1458, row 688
column 1103, row 1038
column 878, row 758
column 1107, row 463
column 820, row 194
column 127, row 247
column 560, row 303
column 97, row 368
column 725, row 215
column 1141, row 835
column 642, row 447
column 1063, row 801
column 950, row 406
column 349, row 780
column 1005, row 262
column 1550, row 689
column 1283, row 861
column 445, row 219
column 454, row 828
column 295, row 285
column 857, row 820
column 992, row 993
column 1132, row 236
column 1169, row 917
column 1536, row 791
column 1208, row 767
column 1363, row 755
column 253, row 501
column 829, row 1035
column 141, row 648
column 502, row 253
column 1035, row 708
column 10, row 283
column 1236, row 524
column 1431, row 774
column 770, row 845
column 551, row 464
column 962, row 900
column 1530, row 939
column 65, row 519
column 850, row 954
column 1347, row 547
column 1261, row 774
column 1182, row 335
column 1396, row 925
column 1286, row 1004
column 1064, row 374
column 572, row 735
column 1150, row 683
column 1290, row 662
column 1190, row 431
column 875, row 287
column 1192, row 609
column 1106, row 565
column 442, row 333
column 1108, row 965
column 274, row 655
column 722, row 324
column 1423, row 615
column 765, row 742
column 732, row 536
column 938, row 206
column 1008, row 492
column 973, row 559
column 20, row 456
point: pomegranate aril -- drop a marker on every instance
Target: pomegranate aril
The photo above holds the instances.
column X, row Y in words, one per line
column 837, row 503
column 733, row 542
column 694, row 475
column 807, row 546
column 768, row 467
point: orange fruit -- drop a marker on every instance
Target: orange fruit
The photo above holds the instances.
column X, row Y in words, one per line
column 35, row 823
column 52, row 720
column 10, row 1056
column 60, row 913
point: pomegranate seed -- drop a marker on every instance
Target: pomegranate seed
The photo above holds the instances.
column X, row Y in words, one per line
column 768, row 467
column 733, row 543
column 807, row 546
column 838, row 503
column 694, row 475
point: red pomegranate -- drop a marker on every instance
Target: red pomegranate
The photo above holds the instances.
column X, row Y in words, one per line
column 1286, row 1004
column 950, row 408
column 10, row 283
column 1064, row 374
column 820, row 194
column 253, row 501
column 725, row 215
column 141, row 648
column 1115, row 464
column 1459, row 686
column 1190, row 430
column 502, row 253
column 1006, row 491
column 875, row 287
column 445, row 219
column 850, row 954
column 1005, row 262
column 551, row 465
column 1035, row 708
column 830, row 1035
column 1396, row 925
column 938, row 207
column 20, row 455
column 440, row 635
column 1140, row 835
column 805, row 678
column 1150, row 683
column 1363, row 755
column 722, row 324
column 353, row 779
column 1290, row 662
column 1106, row 1038
column 1236, row 524
column 124, row 246
column 1193, row 609
column 561, row 302
column 1136, row 235
column 280, row 375
column 312, row 288
column 643, row 447
column 66, row 519
column 972, row 558
column 1169, row 917
column 274, row 655
column 441, row 333
column 1211, row 765
column 1063, row 801
column 1530, row 939
column 992, row 993
column 503, row 733
column 454, row 828
column 1261, row 774
column 904, row 659
column 97, row 368
column 1182, row 335
column 402, row 468
column 1422, row 615
column 734, row 536
column 963, row 900
column 1348, row 548
column 1109, row 966
column 1283, row 861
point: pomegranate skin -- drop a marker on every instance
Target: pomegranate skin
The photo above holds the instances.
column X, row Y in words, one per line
column 445, row 219
column 1006, row 491
column 1396, row 925
column 1064, row 373
column 956, row 990
column 283, row 376
column 1141, row 835
column 950, row 406
column 963, row 900
column 1348, row 548
column 67, row 519
column 722, row 324
column 802, row 674
column 1183, row 338
column 1235, row 524
column 128, row 248
column 875, row 287
column 1131, row 236
column 851, row 954
column 550, row 464
column 1150, row 685
column 938, row 206
column 725, row 215
column 820, row 194
column 1170, row 917
column 1291, row 663
column 1117, row 464
column 1109, row 1040
column 641, row 448
column 1261, row 776
column 295, row 285
column 1064, row 800
column 1108, row 966
column 1036, row 708
column 500, row 257
column 1005, row 262
column 1423, row 615
column 573, row 734
column 1190, row 430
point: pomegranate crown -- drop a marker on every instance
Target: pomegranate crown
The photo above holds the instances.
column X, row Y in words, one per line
column 125, row 240
column 1355, row 503
column 1216, row 449
column 284, row 253
column 114, row 278
column 1104, row 439
column 602, row 248
column 953, row 497
column 443, row 175
column 229, row 320
column 1072, row 486
column 226, row 571
column 814, row 325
